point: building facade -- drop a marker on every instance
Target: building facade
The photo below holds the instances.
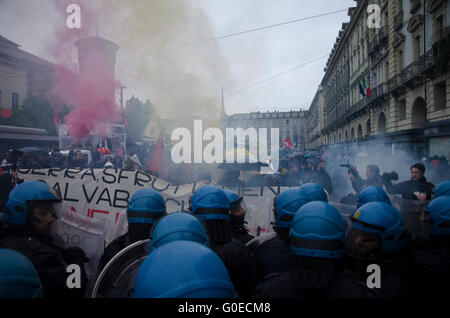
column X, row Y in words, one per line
column 291, row 124
column 21, row 75
column 315, row 121
column 404, row 63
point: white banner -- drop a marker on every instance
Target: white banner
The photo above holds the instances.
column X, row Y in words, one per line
column 104, row 194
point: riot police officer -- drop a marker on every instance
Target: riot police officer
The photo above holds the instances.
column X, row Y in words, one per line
column 442, row 188
column 237, row 217
column 183, row 269
column 18, row 277
column 378, row 238
column 210, row 204
column 431, row 275
column 178, row 226
column 371, row 194
column 29, row 215
column 317, row 243
column 274, row 255
column 146, row 206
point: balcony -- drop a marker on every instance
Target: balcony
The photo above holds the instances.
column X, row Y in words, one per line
column 426, row 63
column 410, row 76
column 378, row 94
column 398, row 21
column 415, row 5
column 395, row 87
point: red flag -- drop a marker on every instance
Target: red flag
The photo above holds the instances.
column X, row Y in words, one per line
column 6, row 112
column 156, row 163
column 57, row 120
column 287, row 143
column 368, row 92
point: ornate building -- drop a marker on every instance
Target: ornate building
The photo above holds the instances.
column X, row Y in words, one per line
column 404, row 63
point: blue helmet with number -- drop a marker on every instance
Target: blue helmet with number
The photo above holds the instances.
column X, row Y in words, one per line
column 318, row 230
column 210, row 203
column 23, row 196
column 442, row 188
column 178, row 226
column 384, row 220
column 438, row 215
column 18, row 277
column 314, row 192
column 371, row 194
column 146, row 206
column 183, row 269
column 233, row 198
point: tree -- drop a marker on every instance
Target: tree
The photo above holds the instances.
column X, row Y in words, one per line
column 35, row 112
column 138, row 116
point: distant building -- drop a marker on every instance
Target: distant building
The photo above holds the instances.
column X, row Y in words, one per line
column 291, row 124
column 21, row 74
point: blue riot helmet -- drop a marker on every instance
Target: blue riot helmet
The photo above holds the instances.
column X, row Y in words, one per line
column 210, row 203
column 183, row 269
column 146, row 206
column 233, row 199
column 438, row 216
column 286, row 204
column 318, row 230
column 371, row 194
column 18, row 277
column 179, row 226
column 25, row 195
column 442, row 188
column 377, row 227
column 314, row 192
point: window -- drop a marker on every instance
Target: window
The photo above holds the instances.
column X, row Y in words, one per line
column 416, row 47
column 15, row 102
column 439, row 96
column 400, row 61
column 402, row 109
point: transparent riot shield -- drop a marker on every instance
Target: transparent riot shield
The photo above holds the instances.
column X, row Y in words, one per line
column 345, row 209
column 411, row 211
column 116, row 280
column 253, row 244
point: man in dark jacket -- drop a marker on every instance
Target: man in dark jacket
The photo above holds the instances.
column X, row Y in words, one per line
column 27, row 220
column 76, row 159
column 321, row 177
column 418, row 188
column 210, row 204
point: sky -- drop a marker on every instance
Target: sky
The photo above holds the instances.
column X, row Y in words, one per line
column 194, row 75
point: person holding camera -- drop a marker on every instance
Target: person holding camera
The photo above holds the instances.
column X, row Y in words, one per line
column 418, row 188
column 373, row 178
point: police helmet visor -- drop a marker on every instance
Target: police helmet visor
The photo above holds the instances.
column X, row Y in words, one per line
column 363, row 245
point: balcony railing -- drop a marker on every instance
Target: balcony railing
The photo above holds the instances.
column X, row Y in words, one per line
column 398, row 20
column 426, row 61
column 409, row 73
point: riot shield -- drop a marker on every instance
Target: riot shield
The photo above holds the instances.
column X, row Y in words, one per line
column 116, row 280
column 411, row 211
column 345, row 209
column 253, row 244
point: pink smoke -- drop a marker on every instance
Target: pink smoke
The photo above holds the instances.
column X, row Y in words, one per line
column 92, row 91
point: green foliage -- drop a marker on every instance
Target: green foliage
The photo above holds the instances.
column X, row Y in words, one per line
column 138, row 116
column 35, row 112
